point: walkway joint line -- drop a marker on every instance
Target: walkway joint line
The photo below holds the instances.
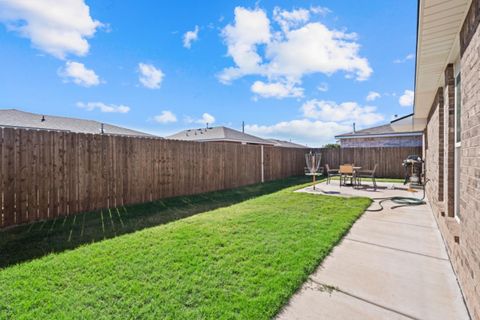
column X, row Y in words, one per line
column 396, row 249
column 364, row 299
column 398, row 222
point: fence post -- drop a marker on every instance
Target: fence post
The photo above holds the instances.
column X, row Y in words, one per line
column 263, row 164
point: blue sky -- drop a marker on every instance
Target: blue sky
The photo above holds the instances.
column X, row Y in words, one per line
column 299, row 70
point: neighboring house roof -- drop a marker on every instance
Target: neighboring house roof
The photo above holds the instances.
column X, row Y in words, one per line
column 218, row 134
column 287, row 144
column 385, row 130
column 18, row 118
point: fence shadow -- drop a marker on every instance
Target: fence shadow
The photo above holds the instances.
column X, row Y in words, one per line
column 27, row 242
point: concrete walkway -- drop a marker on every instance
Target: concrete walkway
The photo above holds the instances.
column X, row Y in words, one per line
column 391, row 265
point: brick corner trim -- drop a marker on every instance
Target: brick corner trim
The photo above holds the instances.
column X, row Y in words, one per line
column 472, row 20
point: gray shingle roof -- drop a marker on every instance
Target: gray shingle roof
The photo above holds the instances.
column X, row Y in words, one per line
column 218, row 134
column 287, row 144
column 18, row 118
column 384, row 129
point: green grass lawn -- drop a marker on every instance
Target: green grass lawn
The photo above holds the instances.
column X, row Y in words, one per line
column 241, row 261
column 35, row 240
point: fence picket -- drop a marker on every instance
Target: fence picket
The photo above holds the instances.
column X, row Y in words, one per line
column 44, row 174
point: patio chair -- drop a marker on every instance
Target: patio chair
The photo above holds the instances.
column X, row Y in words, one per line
column 369, row 174
column 331, row 173
column 346, row 172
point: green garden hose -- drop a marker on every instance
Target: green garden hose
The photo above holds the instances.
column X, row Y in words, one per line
column 401, row 201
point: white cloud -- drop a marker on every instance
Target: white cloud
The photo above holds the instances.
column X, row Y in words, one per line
column 372, row 96
column 56, row 27
column 251, row 28
column 298, row 48
column 323, row 87
column 311, row 132
column 403, row 60
column 150, row 77
column 276, row 90
column 288, row 19
column 320, row 10
column 344, row 113
column 321, row 121
column 165, row 117
column 109, row 108
column 79, row 74
column 206, row 118
column 189, row 37
column 314, row 48
column 406, row 100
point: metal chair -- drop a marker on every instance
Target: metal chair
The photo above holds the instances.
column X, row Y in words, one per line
column 369, row 174
column 346, row 171
column 331, row 173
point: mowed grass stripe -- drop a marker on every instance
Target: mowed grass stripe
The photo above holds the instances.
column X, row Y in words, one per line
column 239, row 262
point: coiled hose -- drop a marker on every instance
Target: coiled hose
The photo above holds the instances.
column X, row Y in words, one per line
column 401, row 201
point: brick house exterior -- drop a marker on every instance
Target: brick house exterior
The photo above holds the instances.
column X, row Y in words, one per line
column 387, row 135
column 374, row 142
column 447, row 103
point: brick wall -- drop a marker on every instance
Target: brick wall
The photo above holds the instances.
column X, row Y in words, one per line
column 431, row 159
column 468, row 251
column 462, row 237
column 414, row 141
column 434, row 153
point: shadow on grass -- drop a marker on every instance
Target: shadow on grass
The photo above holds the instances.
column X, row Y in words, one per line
column 37, row 239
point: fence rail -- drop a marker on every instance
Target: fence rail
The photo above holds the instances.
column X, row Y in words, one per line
column 46, row 174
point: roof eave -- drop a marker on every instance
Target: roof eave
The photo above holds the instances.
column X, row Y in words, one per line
column 380, row 135
column 436, row 47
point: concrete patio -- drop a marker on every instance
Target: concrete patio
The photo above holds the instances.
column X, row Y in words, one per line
column 391, row 265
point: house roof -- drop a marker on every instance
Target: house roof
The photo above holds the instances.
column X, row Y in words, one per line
column 402, row 118
column 218, row 134
column 385, row 130
column 287, row 144
column 22, row 119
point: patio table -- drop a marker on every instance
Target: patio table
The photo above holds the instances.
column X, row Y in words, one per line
column 355, row 170
column 352, row 178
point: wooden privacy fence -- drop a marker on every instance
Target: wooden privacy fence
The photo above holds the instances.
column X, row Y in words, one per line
column 46, row 174
column 389, row 160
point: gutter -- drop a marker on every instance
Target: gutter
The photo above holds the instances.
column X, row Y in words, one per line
column 385, row 135
column 401, row 118
column 416, row 59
